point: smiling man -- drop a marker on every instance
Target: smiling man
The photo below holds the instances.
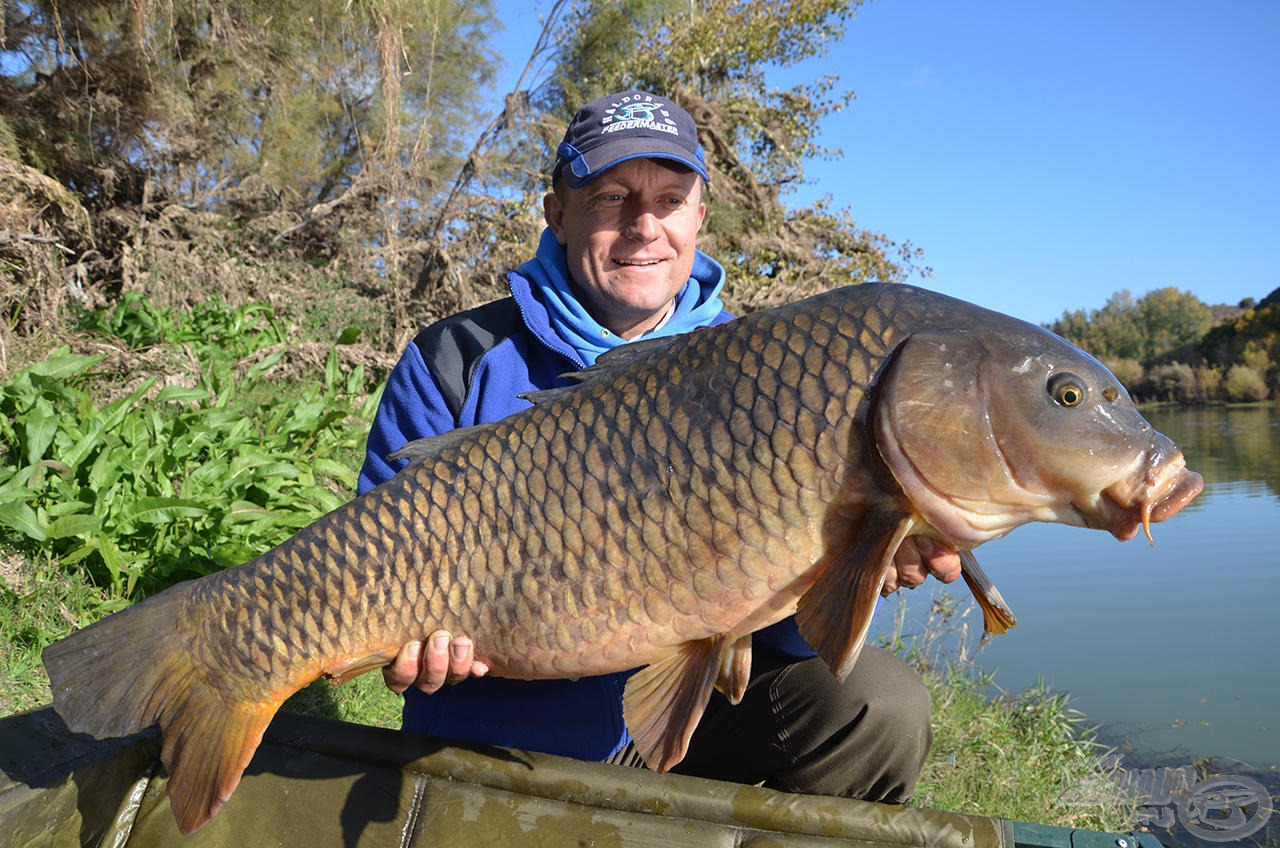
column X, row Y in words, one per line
column 618, row 262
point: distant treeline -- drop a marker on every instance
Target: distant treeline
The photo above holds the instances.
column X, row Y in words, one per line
column 1168, row 345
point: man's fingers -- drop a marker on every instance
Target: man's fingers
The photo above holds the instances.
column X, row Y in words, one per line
column 434, row 672
column 403, row 670
column 463, row 662
column 907, row 570
column 941, row 561
column 442, row 658
column 461, row 656
column 916, row 559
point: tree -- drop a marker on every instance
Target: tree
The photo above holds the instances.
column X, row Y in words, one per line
column 268, row 150
column 1170, row 319
column 1160, row 323
column 320, row 130
column 1255, row 334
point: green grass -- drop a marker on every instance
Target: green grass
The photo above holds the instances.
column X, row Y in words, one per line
column 1011, row 756
column 39, row 604
column 364, row 700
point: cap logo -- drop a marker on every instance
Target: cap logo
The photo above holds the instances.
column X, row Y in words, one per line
column 629, row 114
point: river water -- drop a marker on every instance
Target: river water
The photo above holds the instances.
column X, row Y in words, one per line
column 1173, row 650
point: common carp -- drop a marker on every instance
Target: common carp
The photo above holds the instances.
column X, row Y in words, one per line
column 680, row 495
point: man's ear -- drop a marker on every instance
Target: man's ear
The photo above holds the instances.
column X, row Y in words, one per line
column 553, row 214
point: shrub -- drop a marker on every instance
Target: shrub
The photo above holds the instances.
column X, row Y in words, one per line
column 1243, row 384
column 1173, row 382
column 1209, row 382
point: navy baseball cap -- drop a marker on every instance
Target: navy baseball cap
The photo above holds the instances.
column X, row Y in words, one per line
column 627, row 125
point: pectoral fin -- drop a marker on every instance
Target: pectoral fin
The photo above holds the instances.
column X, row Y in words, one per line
column 996, row 615
column 341, row 672
column 664, row 701
column 835, row 614
column 735, row 669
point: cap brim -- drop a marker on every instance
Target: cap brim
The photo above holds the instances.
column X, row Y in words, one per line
column 607, row 155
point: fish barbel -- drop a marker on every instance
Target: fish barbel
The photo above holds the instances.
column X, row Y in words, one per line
column 682, row 494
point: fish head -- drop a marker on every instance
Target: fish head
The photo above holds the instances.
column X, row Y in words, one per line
column 1000, row 422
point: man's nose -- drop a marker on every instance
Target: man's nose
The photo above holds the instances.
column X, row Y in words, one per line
column 642, row 223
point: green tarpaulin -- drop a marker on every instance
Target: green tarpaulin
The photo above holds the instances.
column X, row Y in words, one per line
column 316, row 782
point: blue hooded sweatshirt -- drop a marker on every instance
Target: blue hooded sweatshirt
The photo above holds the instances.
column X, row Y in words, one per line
column 469, row 369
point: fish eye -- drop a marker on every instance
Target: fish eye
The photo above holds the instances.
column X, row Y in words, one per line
column 1067, row 389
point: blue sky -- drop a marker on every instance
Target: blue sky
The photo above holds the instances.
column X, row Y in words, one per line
column 1047, row 154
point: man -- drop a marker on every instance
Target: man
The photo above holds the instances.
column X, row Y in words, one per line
column 618, row 262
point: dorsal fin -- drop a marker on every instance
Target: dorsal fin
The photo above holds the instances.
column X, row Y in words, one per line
column 620, row 358
column 433, row 446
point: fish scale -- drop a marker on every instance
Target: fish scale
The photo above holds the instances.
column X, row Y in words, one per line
column 684, row 493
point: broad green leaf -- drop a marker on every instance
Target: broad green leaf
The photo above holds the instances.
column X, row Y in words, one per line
column 233, row 554
column 62, row 364
column 355, row 380
column 278, row 471
column 332, row 373
column 67, row 507
column 21, row 517
column 210, row 474
column 16, row 486
column 40, row 424
column 113, row 560
column 107, row 468
column 242, row 511
column 182, row 394
column 78, row 553
column 157, row 510
column 263, row 366
column 114, row 415
column 74, row 525
column 334, row 469
column 83, row 446
column 326, row 501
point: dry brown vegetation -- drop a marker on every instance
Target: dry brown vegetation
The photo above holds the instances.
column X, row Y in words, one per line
column 337, row 161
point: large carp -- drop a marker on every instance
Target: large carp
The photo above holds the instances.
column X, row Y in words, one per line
column 683, row 494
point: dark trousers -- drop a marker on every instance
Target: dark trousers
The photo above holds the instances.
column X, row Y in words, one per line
column 798, row 729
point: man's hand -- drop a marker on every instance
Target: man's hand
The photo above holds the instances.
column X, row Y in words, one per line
column 442, row 658
column 916, row 559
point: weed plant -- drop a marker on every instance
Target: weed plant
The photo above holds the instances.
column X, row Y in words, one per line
column 106, row 501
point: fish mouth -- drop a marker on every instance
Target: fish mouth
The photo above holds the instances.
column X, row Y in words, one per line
column 1162, row 491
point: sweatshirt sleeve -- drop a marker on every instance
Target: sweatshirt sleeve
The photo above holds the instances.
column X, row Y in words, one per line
column 412, row 407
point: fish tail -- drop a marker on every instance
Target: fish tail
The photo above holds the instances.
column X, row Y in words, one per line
column 131, row 670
